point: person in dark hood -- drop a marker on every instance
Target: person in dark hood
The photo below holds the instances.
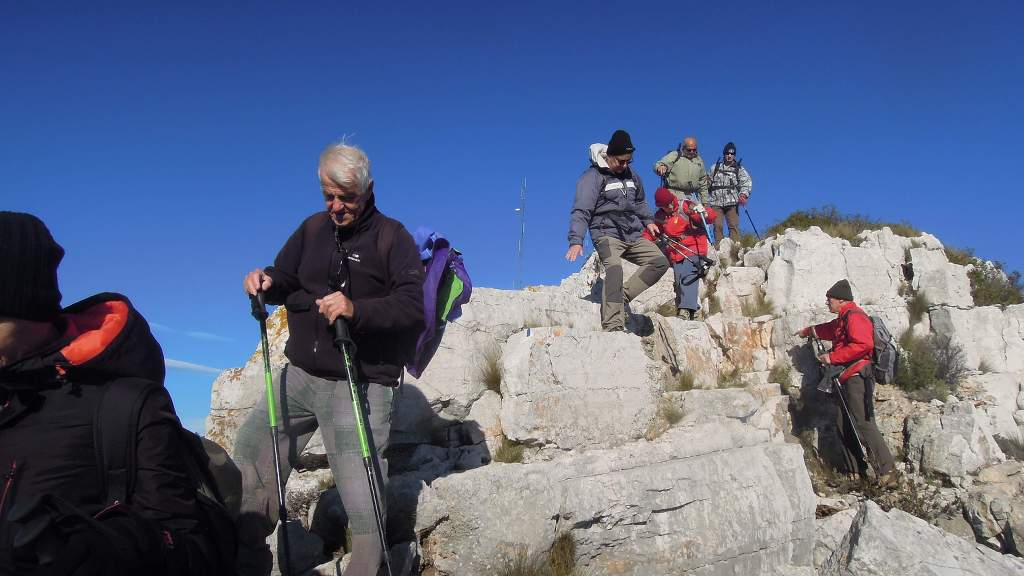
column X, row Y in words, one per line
column 348, row 261
column 55, row 364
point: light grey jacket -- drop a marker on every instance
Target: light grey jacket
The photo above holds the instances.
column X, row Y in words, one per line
column 727, row 183
column 608, row 204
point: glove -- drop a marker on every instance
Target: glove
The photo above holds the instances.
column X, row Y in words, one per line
column 743, row 199
column 699, row 208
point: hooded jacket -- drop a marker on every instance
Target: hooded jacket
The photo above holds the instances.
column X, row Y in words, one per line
column 608, row 204
column 48, row 404
column 686, row 231
column 386, row 290
column 853, row 339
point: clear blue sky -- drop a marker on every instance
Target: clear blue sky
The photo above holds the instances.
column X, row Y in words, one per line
column 172, row 149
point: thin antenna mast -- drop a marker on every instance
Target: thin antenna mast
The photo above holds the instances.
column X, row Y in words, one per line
column 522, row 236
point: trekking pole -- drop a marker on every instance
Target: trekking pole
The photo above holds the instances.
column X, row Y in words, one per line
column 819, row 349
column 344, row 342
column 739, row 166
column 707, row 229
column 259, row 312
column 751, row 220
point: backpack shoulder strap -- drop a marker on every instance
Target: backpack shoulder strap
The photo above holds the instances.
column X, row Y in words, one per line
column 115, row 434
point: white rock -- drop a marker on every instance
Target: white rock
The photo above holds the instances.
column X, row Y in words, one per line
column 990, row 337
column 890, row 543
column 955, row 443
column 576, row 389
column 739, row 286
column 703, row 500
column 941, row 282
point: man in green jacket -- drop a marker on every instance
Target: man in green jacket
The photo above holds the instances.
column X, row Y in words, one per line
column 683, row 171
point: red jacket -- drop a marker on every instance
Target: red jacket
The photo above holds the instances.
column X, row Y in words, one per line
column 687, row 231
column 853, row 339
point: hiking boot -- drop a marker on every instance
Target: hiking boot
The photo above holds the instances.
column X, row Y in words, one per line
column 683, row 313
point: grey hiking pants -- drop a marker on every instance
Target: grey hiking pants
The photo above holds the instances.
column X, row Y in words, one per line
column 612, row 251
column 853, row 391
column 303, row 403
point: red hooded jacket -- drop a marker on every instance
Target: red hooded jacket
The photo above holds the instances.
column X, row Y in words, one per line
column 853, row 339
column 688, row 231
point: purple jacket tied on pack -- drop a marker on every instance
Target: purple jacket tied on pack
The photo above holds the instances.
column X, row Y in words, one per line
column 446, row 288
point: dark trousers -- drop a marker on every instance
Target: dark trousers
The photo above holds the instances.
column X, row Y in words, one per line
column 732, row 217
column 854, row 392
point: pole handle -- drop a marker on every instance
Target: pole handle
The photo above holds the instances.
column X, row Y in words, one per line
column 342, row 336
column 259, row 306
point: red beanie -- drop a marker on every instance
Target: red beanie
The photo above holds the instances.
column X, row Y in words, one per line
column 663, row 197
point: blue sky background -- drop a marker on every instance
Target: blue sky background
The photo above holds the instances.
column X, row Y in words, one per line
column 171, row 149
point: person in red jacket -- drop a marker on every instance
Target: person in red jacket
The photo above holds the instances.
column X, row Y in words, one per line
column 853, row 340
column 684, row 241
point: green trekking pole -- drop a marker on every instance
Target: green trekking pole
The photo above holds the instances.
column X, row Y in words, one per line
column 343, row 340
column 259, row 312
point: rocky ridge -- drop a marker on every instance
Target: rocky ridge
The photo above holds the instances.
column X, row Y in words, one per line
column 684, row 447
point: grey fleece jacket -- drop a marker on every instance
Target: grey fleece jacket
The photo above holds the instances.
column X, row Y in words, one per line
column 609, row 205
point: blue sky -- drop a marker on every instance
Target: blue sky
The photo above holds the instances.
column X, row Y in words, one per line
column 171, row 149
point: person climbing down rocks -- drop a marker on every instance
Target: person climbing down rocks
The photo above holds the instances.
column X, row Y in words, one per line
column 853, row 341
column 682, row 171
column 685, row 244
column 610, row 203
column 730, row 187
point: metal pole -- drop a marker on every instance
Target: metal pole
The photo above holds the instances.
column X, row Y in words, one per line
column 259, row 311
column 374, row 477
column 837, row 389
column 522, row 236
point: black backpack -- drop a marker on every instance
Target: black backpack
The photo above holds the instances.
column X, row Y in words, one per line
column 215, row 478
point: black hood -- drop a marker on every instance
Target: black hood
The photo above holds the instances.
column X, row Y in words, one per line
column 102, row 336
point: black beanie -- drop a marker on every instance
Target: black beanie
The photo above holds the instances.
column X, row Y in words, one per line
column 729, row 146
column 28, row 268
column 620, row 144
column 840, row 291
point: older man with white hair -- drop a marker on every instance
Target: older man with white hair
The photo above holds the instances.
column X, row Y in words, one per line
column 347, row 261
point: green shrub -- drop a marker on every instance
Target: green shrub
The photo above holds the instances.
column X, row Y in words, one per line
column 838, row 225
column 918, row 307
column 560, row 560
column 991, row 286
column 758, row 306
column 679, row 381
column 666, row 416
column 781, row 374
column 746, row 240
column 508, row 452
column 731, row 379
column 931, row 367
column 961, row 256
column 667, row 309
column 490, row 368
column 714, row 306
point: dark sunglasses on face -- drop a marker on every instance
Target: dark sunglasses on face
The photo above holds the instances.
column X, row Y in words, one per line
column 730, row 153
column 625, row 162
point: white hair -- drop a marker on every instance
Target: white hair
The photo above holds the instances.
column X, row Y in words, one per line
column 347, row 166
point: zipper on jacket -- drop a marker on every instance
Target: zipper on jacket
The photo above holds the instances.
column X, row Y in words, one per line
column 8, row 484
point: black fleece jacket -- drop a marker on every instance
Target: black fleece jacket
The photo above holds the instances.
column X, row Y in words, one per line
column 48, row 403
column 385, row 286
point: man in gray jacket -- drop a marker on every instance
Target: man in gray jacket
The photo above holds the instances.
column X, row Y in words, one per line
column 610, row 202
